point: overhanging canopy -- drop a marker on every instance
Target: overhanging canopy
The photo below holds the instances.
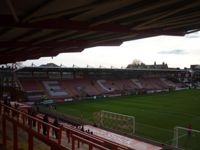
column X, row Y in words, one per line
column 36, row 28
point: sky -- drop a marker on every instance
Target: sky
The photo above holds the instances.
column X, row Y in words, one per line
column 176, row 51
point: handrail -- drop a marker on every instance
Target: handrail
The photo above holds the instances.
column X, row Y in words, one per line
column 96, row 140
column 90, row 143
column 9, row 112
column 29, row 116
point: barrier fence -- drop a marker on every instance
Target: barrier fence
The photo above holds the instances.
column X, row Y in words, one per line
column 69, row 138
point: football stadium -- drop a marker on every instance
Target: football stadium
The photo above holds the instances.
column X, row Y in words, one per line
column 52, row 107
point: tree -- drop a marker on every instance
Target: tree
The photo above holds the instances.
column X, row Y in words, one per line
column 136, row 64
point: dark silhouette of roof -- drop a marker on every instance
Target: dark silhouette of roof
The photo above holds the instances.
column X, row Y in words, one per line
column 32, row 29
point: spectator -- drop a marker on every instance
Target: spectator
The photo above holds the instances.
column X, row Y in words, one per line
column 82, row 128
column 33, row 114
column 29, row 113
column 9, row 104
column 6, row 104
column 88, row 130
column 56, row 124
column 16, row 106
column 45, row 119
column 76, row 126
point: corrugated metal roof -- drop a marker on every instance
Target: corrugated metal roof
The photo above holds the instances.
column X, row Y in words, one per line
column 32, row 29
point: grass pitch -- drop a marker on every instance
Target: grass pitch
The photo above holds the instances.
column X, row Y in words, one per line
column 156, row 114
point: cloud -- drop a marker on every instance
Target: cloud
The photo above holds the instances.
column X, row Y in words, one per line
column 175, row 52
column 193, row 35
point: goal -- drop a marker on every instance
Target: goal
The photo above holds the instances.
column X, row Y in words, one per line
column 186, row 138
column 115, row 121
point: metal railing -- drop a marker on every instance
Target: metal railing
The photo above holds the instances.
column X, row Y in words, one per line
column 35, row 128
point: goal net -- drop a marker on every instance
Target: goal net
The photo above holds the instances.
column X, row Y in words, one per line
column 186, row 138
column 115, row 121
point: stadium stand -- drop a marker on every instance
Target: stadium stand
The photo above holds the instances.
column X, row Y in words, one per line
column 54, row 89
column 172, row 83
column 31, row 85
column 159, row 83
column 79, row 86
column 149, row 83
column 128, row 84
column 33, row 88
column 137, row 83
column 34, row 29
column 74, row 135
column 106, row 87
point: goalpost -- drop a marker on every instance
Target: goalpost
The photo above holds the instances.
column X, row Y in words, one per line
column 186, row 138
column 115, row 121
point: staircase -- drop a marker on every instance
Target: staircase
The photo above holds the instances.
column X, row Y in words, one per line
column 18, row 83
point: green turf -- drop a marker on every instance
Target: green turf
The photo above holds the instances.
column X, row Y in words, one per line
column 156, row 114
